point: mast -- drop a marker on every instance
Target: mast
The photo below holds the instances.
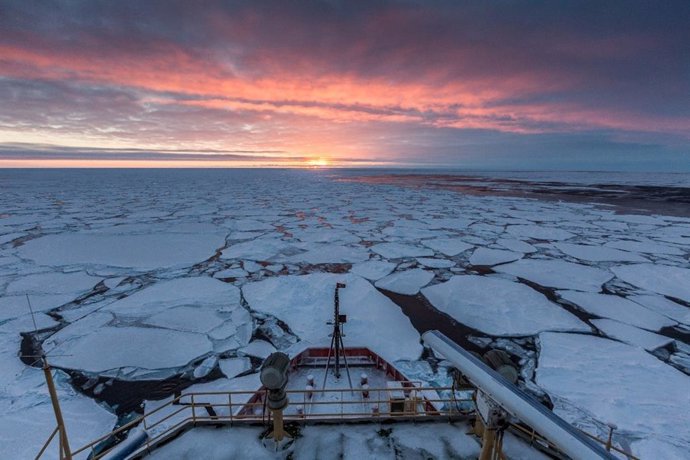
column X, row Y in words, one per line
column 61, row 429
column 65, row 451
column 337, row 345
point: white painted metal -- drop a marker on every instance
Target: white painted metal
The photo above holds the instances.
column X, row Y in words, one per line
column 519, row 404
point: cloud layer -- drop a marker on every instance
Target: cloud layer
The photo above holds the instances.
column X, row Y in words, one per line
column 406, row 82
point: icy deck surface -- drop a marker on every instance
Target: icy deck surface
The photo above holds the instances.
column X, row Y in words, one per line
column 197, row 275
column 345, row 401
column 403, row 440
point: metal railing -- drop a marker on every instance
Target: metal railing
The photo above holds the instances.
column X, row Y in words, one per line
column 306, row 406
column 328, row 405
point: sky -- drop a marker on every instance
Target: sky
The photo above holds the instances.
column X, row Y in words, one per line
column 539, row 85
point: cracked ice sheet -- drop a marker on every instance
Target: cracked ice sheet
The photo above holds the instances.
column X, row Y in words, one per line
column 53, row 283
column 199, row 291
column 305, row 304
column 558, row 274
column 373, row 269
column 131, row 347
column 615, row 383
column 26, row 408
column 500, row 307
column 539, row 232
column 631, row 335
column 398, row 250
column 664, row 307
column 153, row 251
column 486, row 256
column 407, row 282
column 618, row 308
column 662, row 279
column 199, row 314
column 448, row 246
column 598, row 253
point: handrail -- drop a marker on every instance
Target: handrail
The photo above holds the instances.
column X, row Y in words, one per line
column 193, row 412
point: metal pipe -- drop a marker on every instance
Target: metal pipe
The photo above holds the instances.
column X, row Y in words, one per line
column 515, row 401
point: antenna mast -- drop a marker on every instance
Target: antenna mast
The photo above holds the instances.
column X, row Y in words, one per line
column 337, row 346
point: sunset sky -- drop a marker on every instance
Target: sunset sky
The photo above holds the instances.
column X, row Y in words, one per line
column 487, row 85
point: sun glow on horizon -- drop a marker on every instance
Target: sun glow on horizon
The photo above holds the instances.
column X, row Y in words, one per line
column 319, row 162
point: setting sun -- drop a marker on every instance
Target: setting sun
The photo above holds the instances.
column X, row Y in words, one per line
column 318, row 162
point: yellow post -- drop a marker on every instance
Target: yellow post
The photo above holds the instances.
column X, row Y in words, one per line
column 65, row 451
column 478, row 426
column 488, row 444
column 278, row 428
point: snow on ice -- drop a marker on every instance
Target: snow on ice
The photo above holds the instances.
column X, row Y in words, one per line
column 590, row 377
column 558, row 274
column 305, row 304
column 500, row 307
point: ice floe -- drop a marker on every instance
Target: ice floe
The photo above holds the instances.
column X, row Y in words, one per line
column 631, row 334
column 136, row 347
column 598, row 253
column 448, row 246
column 618, row 308
column 435, row 263
column 399, row 250
column 500, row 307
column 615, row 383
column 134, row 251
column 407, row 282
column 373, row 269
column 305, row 304
column 558, row 274
column 662, row 279
column 487, row 256
column 539, row 232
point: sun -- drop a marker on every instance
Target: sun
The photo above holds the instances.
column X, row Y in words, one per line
column 317, row 162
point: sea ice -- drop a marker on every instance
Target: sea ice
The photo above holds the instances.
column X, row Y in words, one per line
column 486, row 256
column 260, row 249
column 189, row 319
column 447, row 246
column 644, row 246
column 162, row 296
column 631, row 334
column 53, row 283
column 558, row 274
column 664, row 307
column 539, row 232
column 258, row 348
column 618, row 308
column 22, row 432
column 406, row 282
column 663, row 279
column 500, row 307
column 399, row 250
column 156, row 250
column 516, row 245
column 305, row 303
column 330, row 254
column 615, row 383
column 232, row 367
column 373, row 269
column 12, row 306
column 435, row 263
column 144, row 348
column 598, row 253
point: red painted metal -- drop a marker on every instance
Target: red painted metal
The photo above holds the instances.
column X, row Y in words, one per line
column 322, row 352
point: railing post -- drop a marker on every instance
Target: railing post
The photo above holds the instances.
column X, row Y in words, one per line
column 230, row 406
column 193, row 410
column 609, row 441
